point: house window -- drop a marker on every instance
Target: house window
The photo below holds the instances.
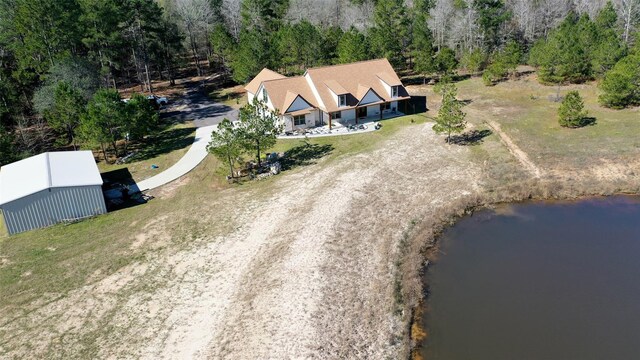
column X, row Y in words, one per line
column 265, row 98
column 394, row 91
column 386, row 106
column 342, row 100
column 336, row 115
column 299, row 120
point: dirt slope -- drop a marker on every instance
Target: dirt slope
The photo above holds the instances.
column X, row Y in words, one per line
column 307, row 272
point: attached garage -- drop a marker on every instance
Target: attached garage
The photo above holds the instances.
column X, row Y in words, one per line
column 49, row 188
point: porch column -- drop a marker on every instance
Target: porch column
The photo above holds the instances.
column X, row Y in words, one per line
column 381, row 107
column 357, row 115
column 329, row 121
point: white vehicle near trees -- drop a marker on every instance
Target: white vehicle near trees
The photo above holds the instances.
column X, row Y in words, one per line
column 159, row 100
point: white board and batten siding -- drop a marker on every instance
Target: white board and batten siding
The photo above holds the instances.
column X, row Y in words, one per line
column 61, row 186
column 299, row 104
column 370, row 97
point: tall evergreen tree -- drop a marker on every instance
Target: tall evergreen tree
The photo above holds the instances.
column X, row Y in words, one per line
column 226, row 144
column 609, row 47
column 250, row 57
column 258, row 127
column 423, row 51
column 389, row 33
column 562, row 57
column 492, row 14
column 352, row 47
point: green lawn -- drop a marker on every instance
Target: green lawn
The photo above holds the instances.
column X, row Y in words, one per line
column 163, row 149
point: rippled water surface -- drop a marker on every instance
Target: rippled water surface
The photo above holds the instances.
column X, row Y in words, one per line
column 538, row 281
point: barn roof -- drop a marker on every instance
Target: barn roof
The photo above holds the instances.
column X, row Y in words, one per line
column 45, row 171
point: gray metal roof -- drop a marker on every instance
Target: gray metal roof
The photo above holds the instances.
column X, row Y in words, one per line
column 47, row 170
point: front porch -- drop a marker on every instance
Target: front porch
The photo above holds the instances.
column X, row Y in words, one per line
column 338, row 123
column 342, row 127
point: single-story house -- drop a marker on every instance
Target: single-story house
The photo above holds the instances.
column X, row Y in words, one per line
column 343, row 93
column 50, row 188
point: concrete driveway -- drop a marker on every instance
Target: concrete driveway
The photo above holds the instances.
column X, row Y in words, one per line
column 206, row 116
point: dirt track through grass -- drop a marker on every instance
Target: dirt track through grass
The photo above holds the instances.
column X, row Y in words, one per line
column 516, row 151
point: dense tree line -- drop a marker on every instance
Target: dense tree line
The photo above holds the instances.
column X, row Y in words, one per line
column 58, row 54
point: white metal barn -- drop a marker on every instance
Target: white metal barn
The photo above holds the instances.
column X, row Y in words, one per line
column 49, row 188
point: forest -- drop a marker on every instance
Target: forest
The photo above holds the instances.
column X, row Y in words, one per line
column 62, row 62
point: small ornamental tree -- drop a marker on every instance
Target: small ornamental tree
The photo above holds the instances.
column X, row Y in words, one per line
column 259, row 127
column 450, row 116
column 226, row 144
column 571, row 112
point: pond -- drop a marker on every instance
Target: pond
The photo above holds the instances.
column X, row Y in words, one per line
column 544, row 280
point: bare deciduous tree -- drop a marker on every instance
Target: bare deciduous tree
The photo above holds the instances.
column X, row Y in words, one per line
column 629, row 14
column 196, row 17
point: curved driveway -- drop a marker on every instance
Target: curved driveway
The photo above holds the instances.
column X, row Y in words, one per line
column 206, row 116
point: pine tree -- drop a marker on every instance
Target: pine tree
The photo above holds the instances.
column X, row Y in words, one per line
column 562, row 57
column 142, row 117
column 389, row 32
column 422, row 46
column 352, row 47
column 492, row 14
column 250, row 57
column 621, row 85
column 445, row 61
column 609, row 47
column 571, row 112
column 450, row 118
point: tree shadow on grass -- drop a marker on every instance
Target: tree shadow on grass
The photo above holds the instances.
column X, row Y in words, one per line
column 304, row 154
column 473, row 137
column 588, row 121
column 163, row 143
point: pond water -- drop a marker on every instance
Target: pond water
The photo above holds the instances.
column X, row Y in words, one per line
column 540, row 281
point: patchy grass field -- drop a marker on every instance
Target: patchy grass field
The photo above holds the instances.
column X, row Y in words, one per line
column 320, row 261
column 527, row 112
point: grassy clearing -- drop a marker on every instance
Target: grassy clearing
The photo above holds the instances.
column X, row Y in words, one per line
column 47, row 263
column 163, row 149
column 234, row 97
